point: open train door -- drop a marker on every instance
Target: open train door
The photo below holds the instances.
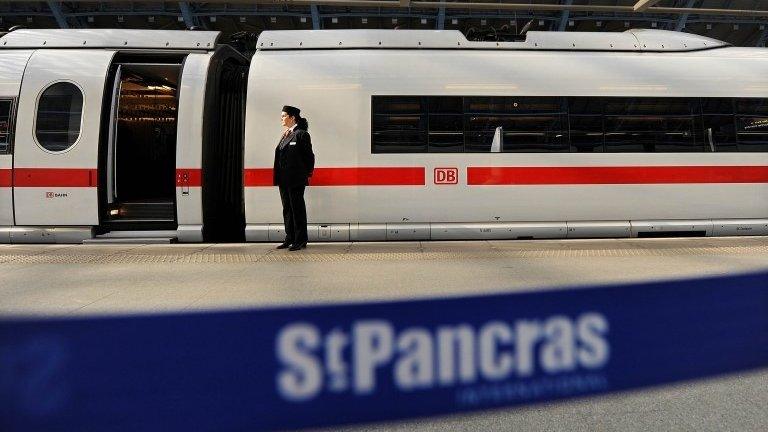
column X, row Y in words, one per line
column 209, row 164
column 139, row 150
column 57, row 139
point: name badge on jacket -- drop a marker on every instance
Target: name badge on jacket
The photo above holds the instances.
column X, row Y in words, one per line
column 292, row 143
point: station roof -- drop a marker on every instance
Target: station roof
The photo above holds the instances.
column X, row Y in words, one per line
column 630, row 40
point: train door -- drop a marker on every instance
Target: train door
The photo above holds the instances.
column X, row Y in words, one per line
column 140, row 161
column 6, row 165
column 209, row 160
column 57, row 138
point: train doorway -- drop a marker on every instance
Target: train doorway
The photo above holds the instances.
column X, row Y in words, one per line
column 139, row 161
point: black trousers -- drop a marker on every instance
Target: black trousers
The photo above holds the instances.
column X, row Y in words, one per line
column 294, row 214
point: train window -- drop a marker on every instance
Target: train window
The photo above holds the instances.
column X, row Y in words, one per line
column 652, row 125
column 445, row 105
column 399, row 105
column 586, row 132
column 6, row 125
column 446, row 133
column 59, row 114
column 649, row 106
column 446, row 124
column 399, row 124
column 512, row 105
column 522, row 124
column 752, row 125
column 752, row 107
column 715, row 106
column 479, row 132
column 720, row 132
column 585, row 106
column 453, row 124
column 752, row 133
column 650, row 134
column 533, row 134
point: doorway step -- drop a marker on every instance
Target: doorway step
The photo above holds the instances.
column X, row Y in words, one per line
column 134, row 237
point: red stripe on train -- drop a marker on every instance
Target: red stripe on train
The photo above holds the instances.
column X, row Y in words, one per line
column 6, row 177
column 615, row 175
column 55, row 177
column 192, row 177
column 356, row 176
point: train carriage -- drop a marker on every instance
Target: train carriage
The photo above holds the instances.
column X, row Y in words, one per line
column 423, row 135
column 418, row 135
column 109, row 130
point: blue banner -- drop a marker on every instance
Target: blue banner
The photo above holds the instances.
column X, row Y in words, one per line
column 296, row 367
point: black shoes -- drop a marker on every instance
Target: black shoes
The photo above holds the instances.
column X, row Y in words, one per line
column 298, row 246
column 292, row 247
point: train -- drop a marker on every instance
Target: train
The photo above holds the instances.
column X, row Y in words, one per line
column 418, row 135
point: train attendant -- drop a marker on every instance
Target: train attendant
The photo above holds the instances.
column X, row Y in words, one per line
column 294, row 163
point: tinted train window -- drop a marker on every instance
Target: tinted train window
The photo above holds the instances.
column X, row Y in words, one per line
column 59, row 114
column 587, row 134
column 399, row 125
column 444, row 124
column 652, row 125
column 752, row 133
column 451, row 124
column 6, row 125
column 720, row 132
column 521, row 124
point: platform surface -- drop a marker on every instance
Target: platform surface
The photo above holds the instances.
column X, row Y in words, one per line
column 76, row 280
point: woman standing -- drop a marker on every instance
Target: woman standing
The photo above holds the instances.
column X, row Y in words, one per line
column 294, row 163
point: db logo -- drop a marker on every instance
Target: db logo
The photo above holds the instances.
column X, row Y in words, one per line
column 446, row 175
column 49, row 194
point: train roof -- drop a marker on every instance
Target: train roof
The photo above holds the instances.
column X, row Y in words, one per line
column 110, row 38
column 641, row 40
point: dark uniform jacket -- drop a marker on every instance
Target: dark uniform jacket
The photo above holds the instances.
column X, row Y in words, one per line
column 294, row 160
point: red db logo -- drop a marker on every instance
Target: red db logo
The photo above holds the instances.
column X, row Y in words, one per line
column 446, row 175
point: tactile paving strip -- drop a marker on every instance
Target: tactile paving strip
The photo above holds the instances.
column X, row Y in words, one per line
column 204, row 255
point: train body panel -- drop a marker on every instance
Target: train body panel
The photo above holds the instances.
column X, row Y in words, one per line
column 57, row 138
column 113, row 130
column 6, row 191
column 190, row 151
column 12, row 65
column 334, row 89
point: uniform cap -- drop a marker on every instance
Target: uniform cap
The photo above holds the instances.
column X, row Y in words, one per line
column 291, row 111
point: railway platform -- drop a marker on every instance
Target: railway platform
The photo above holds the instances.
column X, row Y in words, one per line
column 109, row 279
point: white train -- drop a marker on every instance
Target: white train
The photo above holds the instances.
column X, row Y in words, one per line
column 417, row 135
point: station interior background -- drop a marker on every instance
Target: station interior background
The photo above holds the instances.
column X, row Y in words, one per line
column 739, row 22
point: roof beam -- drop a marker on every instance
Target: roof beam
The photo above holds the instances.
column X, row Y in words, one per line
column 58, row 14
column 315, row 17
column 643, row 5
column 186, row 14
column 684, row 17
column 564, row 16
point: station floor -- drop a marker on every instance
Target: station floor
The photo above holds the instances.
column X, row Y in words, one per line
column 97, row 279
